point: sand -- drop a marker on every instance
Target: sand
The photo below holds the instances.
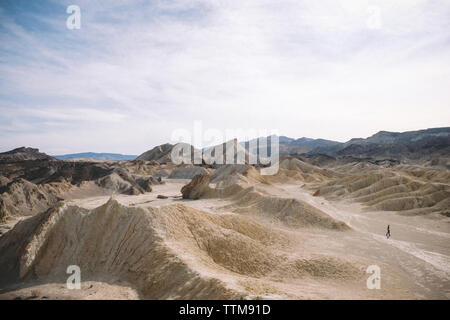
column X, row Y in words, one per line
column 250, row 238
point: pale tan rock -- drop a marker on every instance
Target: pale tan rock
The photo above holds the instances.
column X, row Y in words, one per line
column 198, row 186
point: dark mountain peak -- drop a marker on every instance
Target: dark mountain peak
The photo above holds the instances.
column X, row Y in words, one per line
column 22, row 154
column 290, row 146
column 385, row 134
column 304, row 139
column 162, row 153
column 396, row 145
column 284, row 139
column 23, row 149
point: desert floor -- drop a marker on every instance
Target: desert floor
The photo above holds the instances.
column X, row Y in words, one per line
column 414, row 262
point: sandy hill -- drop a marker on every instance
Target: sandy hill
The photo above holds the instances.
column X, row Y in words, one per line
column 143, row 229
column 172, row 252
column 33, row 186
column 409, row 190
column 231, row 233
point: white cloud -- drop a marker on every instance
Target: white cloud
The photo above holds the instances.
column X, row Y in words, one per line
column 134, row 73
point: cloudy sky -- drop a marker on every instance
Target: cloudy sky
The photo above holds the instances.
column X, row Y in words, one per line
column 138, row 70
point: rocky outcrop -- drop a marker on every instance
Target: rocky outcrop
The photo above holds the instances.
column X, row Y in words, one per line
column 23, row 198
column 161, row 154
column 22, row 154
column 31, row 187
column 198, row 186
column 4, row 182
column 145, row 183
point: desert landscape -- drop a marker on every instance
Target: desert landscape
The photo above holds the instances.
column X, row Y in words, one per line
column 151, row 229
column 222, row 150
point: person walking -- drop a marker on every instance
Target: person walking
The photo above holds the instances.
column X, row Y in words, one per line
column 388, row 233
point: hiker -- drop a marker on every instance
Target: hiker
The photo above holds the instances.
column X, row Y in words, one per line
column 388, row 233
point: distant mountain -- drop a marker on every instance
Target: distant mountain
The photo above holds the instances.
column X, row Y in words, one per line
column 96, row 156
column 209, row 153
column 160, row 154
column 290, row 146
column 382, row 145
column 304, row 145
column 23, row 153
column 163, row 153
column 396, row 145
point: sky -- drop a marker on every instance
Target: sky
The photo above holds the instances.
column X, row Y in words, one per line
column 135, row 72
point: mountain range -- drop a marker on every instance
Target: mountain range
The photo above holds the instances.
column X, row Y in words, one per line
column 396, row 145
column 413, row 145
column 23, row 154
column 96, row 156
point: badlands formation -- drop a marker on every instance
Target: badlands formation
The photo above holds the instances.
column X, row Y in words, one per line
column 150, row 229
